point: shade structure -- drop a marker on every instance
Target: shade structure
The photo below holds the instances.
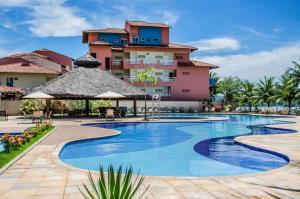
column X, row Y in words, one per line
column 86, row 83
column 110, row 95
column 38, row 95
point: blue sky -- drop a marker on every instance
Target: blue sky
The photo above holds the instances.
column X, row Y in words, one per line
column 248, row 38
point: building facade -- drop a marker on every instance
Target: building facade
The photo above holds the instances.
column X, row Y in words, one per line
column 139, row 45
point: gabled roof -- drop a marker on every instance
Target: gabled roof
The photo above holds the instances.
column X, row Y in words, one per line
column 25, row 67
column 8, row 89
column 143, row 23
column 108, row 30
column 55, row 57
column 87, row 83
column 196, row 63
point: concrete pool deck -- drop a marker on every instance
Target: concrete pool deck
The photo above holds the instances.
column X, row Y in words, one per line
column 39, row 173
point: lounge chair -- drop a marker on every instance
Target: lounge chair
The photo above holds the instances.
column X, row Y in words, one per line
column 110, row 114
column 4, row 115
column 117, row 113
column 37, row 116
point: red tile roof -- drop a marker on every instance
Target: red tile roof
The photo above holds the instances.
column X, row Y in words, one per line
column 143, row 23
column 19, row 67
column 171, row 45
column 103, row 43
column 55, row 57
column 108, row 30
column 198, row 64
column 8, row 89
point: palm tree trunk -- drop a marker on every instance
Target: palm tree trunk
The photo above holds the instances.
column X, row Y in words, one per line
column 250, row 107
column 145, row 113
column 268, row 104
column 290, row 106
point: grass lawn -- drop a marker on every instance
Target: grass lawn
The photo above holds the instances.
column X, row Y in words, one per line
column 7, row 157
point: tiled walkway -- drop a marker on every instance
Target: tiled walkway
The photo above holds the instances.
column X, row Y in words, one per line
column 39, row 174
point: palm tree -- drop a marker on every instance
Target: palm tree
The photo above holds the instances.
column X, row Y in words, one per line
column 287, row 90
column 265, row 90
column 229, row 87
column 247, row 94
column 146, row 76
column 213, row 88
column 295, row 71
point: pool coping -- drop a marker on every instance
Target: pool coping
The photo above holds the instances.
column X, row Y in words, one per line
column 239, row 139
column 15, row 159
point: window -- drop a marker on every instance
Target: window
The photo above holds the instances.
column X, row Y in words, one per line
column 178, row 57
column 10, row 81
column 15, row 78
column 93, row 55
column 142, row 39
column 118, row 57
column 158, row 73
column 118, row 74
column 158, row 57
column 185, row 90
column 159, row 90
column 185, row 73
column 135, row 40
column 116, row 41
column 124, row 41
column 141, row 56
column 155, row 39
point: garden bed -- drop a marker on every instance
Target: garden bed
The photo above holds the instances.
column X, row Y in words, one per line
column 6, row 157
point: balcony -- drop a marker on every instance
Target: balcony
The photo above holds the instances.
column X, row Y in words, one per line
column 155, row 63
column 117, row 64
column 161, row 81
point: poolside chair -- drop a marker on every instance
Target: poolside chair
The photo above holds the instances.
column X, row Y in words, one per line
column 117, row 113
column 110, row 114
column 37, row 116
column 4, row 115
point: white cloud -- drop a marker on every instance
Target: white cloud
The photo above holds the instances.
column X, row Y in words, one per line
column 256, row 65
column 52, row 18
column 14, row 3
column 169, row 17
column 222, row 43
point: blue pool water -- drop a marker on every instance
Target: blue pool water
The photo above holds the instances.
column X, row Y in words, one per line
column 179, row 148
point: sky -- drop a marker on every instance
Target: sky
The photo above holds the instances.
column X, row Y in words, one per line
column 247, row 38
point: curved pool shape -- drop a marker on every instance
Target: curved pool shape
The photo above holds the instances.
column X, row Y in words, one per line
column 179, row 148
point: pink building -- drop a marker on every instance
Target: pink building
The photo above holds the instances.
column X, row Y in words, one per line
column 125, row 52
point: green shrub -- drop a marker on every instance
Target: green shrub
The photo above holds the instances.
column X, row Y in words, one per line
column 116, row 186
column 28, row 106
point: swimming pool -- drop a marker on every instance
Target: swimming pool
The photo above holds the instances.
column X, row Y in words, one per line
column 179, row 148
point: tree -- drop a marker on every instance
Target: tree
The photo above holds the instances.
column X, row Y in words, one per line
column 295, row 71
column 247, row 94
column 213, row 88
column 229, row 87
column 265, row 91
column 146, row 76
column 287, row 90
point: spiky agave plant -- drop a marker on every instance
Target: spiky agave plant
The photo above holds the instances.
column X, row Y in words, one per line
column 115, row 186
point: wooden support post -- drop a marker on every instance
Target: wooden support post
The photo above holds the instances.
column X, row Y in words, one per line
column 117, row 103
column 87, row 107
column 134, row 108
column 48, row 104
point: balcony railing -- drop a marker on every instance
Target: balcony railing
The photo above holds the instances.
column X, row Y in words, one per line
column 116, row 63
column 133, row 79
column 150, row 62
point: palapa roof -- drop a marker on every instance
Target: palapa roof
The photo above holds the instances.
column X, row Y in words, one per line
column 87, row 83
column 87, row 61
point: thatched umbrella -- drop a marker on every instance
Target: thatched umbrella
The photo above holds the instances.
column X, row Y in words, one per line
column 87, row 61
column 111, row 95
